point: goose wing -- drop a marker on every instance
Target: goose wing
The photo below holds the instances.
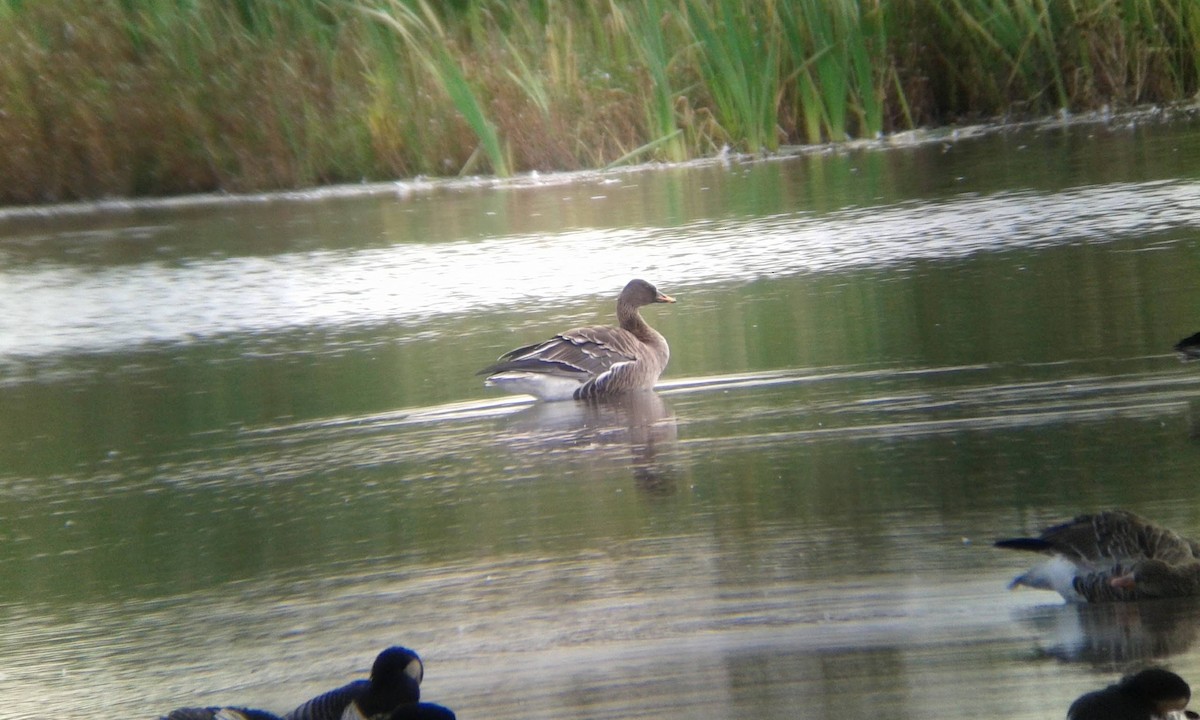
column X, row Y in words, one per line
column 1114, row 536
column 330, row 705
column 586, row 351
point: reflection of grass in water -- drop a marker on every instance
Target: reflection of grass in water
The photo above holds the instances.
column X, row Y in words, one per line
column 166, row 97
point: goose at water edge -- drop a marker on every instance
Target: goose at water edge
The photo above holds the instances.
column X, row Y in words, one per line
column 590, row 362
column 1114, row 555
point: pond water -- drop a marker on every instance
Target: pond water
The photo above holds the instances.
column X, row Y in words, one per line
column 244, row 447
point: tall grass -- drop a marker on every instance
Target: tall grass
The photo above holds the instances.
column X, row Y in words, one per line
column 837, row 50
column 125, row 97
column 738, row 48
column 421, row 30
column 646, row 23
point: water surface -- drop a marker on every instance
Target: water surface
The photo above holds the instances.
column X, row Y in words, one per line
column 244, row 447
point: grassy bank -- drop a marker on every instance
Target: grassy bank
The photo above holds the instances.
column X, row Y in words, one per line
column 157, row 97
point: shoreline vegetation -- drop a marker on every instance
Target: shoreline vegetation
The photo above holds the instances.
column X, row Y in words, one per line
column 148, row 98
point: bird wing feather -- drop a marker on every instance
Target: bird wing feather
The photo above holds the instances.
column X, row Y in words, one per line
column 1117, row 536
column 582, row 351
column 330, row 705
column 1108, row 538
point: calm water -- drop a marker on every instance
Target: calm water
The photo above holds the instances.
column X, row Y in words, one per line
column 243, row 447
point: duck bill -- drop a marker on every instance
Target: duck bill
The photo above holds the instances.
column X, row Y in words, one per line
column 664, row 298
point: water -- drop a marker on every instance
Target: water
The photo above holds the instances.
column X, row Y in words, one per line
column 244, row 448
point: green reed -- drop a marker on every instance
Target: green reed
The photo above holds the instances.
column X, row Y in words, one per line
column 738, row 55
column 831, row 46
column 657, row 52
column 134, row 97
column 421, row 30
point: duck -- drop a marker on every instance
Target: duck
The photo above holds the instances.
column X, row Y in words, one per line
column 1189, row 347
column 1151, row 693
column 219, row 713
column 1114, row 555
column 394, row 683
column 590, row 362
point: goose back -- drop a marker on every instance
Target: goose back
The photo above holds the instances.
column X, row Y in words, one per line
column 585, row 351
column 332, row 704
column 1105, row 538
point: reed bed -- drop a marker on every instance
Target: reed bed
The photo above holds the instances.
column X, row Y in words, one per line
column 156, row 97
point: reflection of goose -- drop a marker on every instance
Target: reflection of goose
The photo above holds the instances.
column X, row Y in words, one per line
column 590, row 362
column 1114, row 635
column 1189, row 347
column 1152, row 693
column 395, row 681
column 640, row 420
column 652, row 435
column 1112, row 555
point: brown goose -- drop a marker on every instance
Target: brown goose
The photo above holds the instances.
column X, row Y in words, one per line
column 1111, row 555
column 590, row 362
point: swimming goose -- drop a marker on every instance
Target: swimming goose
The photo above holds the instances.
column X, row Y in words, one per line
column 590, row 362
column 219, row 713
column 1111, row 555
column 395, row 682
column 1152, row 693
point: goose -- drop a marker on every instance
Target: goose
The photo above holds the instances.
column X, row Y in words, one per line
column 395, row 682
column 1151, row 693
column 1111, row 555
column 590, row 362
column 1189, row 347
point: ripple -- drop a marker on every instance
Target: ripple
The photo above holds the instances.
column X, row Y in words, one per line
column 54, row 307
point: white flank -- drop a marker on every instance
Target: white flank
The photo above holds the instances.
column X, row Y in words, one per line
column 540, row 385
column 1057, row 574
